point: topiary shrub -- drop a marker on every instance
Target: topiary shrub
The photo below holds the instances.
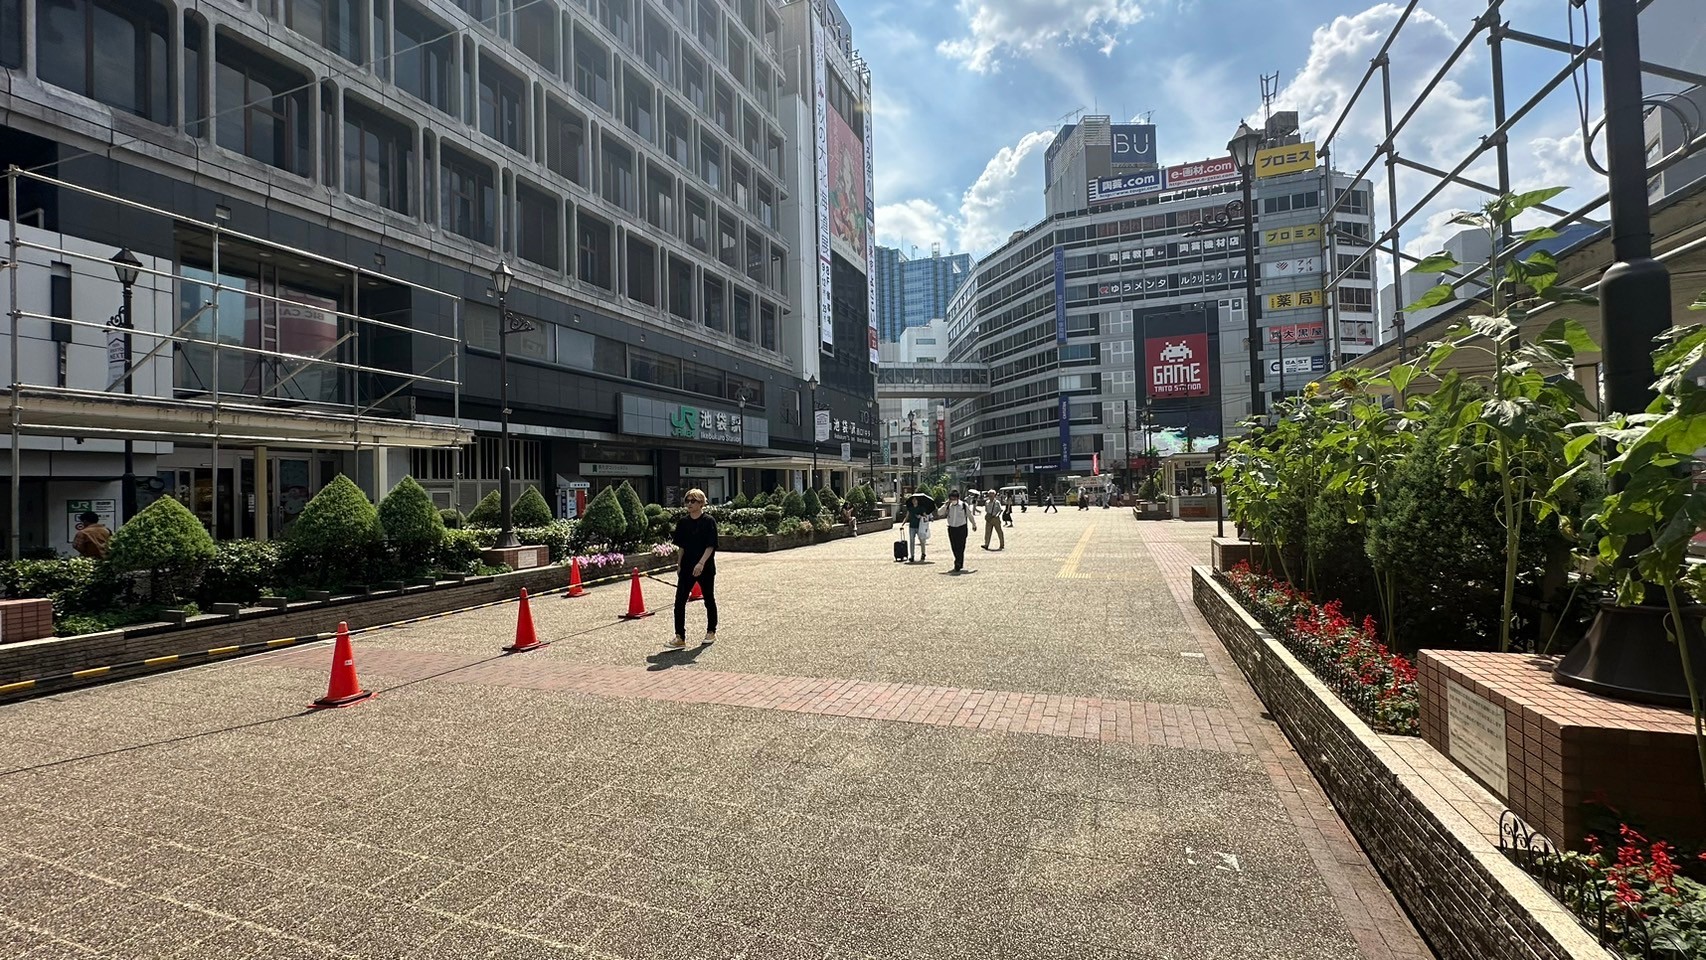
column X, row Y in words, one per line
column 810, row 504
column 451, row 518
column 740, row 502
column 558, row 535
column 772, row 518
column 830, row 500
column 168, row 541
column 660, row 523
column 604, row 518
column 759, row 500
column 458, row 552
column 794, row 505
column 488, row 512
column 335, row 540
column 241, row 571
column 633, row 513
column 412, row 527
column 530, row 509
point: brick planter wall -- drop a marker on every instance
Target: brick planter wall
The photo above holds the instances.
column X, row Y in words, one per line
column 1468, row 900
column 62, row 655
column 22, row 620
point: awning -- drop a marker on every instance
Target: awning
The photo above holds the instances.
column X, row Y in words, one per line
column 794, row 462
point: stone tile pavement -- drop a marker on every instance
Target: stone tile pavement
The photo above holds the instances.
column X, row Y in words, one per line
column 1046, row 758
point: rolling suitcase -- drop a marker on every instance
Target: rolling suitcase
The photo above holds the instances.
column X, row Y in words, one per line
column 900, row 551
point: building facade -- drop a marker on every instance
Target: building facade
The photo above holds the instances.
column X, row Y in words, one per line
column 634, row 161
column 911, row 292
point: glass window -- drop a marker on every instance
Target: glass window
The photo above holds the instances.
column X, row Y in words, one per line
column 502, row 106
column 422, row 53
column 538, row 227
column 595, row 248
column 378, row 156
column 333, row 24
column 195, row 108
column 536, row 33
column 467, row 200
column 565, row 143
column 619, row 185
column 263, row 109
column 12, row 33
column 743, row 316
column 108, row 51
column 307, row 325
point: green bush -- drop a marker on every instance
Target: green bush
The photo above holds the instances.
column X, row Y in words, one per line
column 759, row 499
column 530, row 509
column 412, row 526
column 240, row 572
column 793, row 505
column 488, row 512
column 810, row 504
column 773, row 518
column 660, row 523
column 633, row 514
column 830, row 501
column 604, row 518
column 739, row 502
column 334, row 542
column 451, row 518
column 940, row 494
column 168, row 541
column 67, row 581
column 459, row 551
column 558, row 535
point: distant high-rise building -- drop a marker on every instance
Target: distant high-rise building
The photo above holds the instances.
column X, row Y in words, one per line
column 913, row 292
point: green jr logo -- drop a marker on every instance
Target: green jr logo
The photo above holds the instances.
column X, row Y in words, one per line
column 684, row 422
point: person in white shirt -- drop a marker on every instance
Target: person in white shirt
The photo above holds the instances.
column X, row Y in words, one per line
column 959, row 516
column 994, row 510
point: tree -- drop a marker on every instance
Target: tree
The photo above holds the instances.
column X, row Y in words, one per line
column 412, row 526
column 634, row 510
column 604, row 517
column 740, row 502
column 488, row 512
column 531, row 510
column 166, row 540
column 810, row 504
column 793, row 504
column 333, row 541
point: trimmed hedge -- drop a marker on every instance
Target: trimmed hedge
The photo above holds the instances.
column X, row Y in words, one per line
column 169, row 542
column 335, row 540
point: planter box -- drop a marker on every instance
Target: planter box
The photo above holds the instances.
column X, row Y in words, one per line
column 273, row 603
column 1466, row 898
column 25, row 620
column 1228, row 552
column 1151, row 510
column 767, row 544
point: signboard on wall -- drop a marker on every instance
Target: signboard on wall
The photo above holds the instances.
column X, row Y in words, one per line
column 1360, row 332
column 1109, row 189
column 1201, row 173
column 820, row 425
column 825, row 305
column 1296, row 365
column 1295, row 300
column 1302, row 233
column 642, row 416
column 107, row 510
column 1065, row 414
column 1308, row 332
column 1177, row 365
column 847, row 224
column 1291, row 158
column 1133, row 143
column 1291, row 267
column 870, row 234
column 1059, row 294
column 941, row 441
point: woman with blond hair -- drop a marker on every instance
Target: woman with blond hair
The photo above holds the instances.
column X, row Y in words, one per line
column 696, row 536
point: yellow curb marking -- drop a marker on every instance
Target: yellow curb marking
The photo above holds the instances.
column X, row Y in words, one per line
column 91, row 672
column 20, row 685
column 1069, row 571
column 156, row 661
column 216, row 651
column 287, row 641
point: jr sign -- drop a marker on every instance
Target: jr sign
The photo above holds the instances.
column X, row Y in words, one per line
column 1178, row 365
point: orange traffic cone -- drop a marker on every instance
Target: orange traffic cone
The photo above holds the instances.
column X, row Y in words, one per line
column 636, row 600
column 697, row 594
column 343, row 689
column 525, row 638
column 575, row 579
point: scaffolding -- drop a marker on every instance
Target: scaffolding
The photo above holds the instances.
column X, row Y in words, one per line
column 359, row 405
column 1492, row 28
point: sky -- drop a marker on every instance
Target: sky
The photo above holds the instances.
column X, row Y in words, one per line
column 967, row 95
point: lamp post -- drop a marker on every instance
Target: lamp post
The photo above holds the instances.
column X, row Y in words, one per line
column 912, row 445
column 502, row 277
column 128, row 268
column 812, row 383
column 740, row 471
column 1243, row 147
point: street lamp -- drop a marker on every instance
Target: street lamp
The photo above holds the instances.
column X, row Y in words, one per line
column 912, row 445
column 502, row 277
column 740, row 471
column 128, row 268
column 1243, row 147
column 812, row 383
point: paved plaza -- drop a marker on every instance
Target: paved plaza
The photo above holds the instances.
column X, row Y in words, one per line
column 1046, row 757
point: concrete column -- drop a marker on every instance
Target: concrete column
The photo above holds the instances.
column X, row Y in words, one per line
column 263, row 495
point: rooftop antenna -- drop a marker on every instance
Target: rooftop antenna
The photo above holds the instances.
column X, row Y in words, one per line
column 1070, row 116
column 1270, row 90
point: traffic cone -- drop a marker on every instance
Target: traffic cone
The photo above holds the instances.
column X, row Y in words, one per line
column 636, row 600
column 343, row 689
column 575, row 579
column 525, row 638
column 696, row 594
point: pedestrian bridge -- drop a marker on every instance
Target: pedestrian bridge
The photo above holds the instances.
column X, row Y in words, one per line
column 956, row 380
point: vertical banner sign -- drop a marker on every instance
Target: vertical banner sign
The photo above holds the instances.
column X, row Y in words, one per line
column 941, row 441
column 1177, row 365
column 870, row 232
column 821, row 430
column 115, row 354
column 1065, row 434
column 825, row 305
column 846, row 452
column 1059, row 294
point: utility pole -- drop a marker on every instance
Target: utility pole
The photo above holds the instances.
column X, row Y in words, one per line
column 1130, row 487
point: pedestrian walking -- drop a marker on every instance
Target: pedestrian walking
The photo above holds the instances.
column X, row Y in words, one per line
column 992, row 520
column 959, row 519
column 1007, row 512
column 696, row 536
column 919, row 509
column 92, row 541
column 1048, row 504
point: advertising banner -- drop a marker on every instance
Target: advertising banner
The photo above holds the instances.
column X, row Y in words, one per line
column 1178, row 365
column 1201, row 173
column 870, row 234
column 821, row 425
column 1292, row 267
column 1291, row 158
column 106, row 510
column 847, row 226
column 941, row 441
column 1065, row 462
column 1059, row 294
column 825, row 305
column 1298, row 332
column 1302, row 233
column 1109, row 189
column 1134, row 143
column 1295, row 300
column 1296, row 365
column 1359, row 332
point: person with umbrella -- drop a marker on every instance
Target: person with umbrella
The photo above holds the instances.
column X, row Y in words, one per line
column 920, row 507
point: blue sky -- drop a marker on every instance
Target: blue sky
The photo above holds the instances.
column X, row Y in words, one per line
column 967, row 94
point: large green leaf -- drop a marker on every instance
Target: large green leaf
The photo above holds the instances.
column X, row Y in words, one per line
column 1493, row 328
column 1443, row 293
column 1562, row 294
column 1567, row 330
column 1538, row 233
column 1511, row 207
column 1437, row 263
column 1402, row 375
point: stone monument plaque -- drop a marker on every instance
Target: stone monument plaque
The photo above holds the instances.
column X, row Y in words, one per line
column 1475, row 736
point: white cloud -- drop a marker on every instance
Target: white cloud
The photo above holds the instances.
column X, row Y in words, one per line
column 1004, row 28
column 1007, row 196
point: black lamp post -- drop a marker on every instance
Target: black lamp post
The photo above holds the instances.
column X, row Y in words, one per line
column 812, row 383
column 502, row 277
column 740, row 471
column 128, row 268
column 1243, row 147
column 912, row 445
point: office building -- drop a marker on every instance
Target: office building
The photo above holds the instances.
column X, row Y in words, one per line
column 911, row 292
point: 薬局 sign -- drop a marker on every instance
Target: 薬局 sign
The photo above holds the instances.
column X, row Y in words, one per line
column 1202, row 172
column 1295, row 300
column 1178, row 366
column 1291, row 158
column 1109, row 189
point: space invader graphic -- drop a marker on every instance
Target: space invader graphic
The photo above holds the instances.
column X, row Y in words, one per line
column 1175, row 352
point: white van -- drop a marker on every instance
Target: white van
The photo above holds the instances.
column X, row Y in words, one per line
column 1015, row 493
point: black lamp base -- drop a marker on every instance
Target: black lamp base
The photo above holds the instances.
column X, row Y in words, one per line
column 1627, row 655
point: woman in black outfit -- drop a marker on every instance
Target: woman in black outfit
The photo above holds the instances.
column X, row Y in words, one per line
column 696, row 535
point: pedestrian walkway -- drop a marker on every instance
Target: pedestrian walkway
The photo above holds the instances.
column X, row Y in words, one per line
column 1048, row 758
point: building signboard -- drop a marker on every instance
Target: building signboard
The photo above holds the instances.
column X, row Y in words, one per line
column 870, row 232
column 1109, row 189
column 1177, row 365
column 1295, row 365
column 107, row 510
column 1302, row 233
column 1295, row 300
column 821, row 425
column 1065, row 415
column 1133, row 143
column 1132, row 286
column 1291, row 267
column 1201, row 173
column 1059, row 294
column 1359, row 332
column 1204, row 248
column 1308, row 332
column 825, row 304
column 1291, row 158
column 643, row 416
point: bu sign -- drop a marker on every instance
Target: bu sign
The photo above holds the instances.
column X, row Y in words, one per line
column 1178, row 365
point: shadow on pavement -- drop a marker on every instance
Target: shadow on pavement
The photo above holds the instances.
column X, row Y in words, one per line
column 675, row 658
